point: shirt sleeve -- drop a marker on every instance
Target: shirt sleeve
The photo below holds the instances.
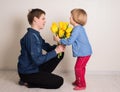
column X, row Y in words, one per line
column 35, row 51
column 72, row 38
column 47, row 47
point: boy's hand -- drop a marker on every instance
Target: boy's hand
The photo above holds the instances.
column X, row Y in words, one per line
column 56, row 38
column 60, row 48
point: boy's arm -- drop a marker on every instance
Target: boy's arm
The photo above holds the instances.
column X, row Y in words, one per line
column 47, row 47
column 35, row 51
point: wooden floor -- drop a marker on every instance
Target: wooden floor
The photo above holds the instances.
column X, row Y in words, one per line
column 103, row 82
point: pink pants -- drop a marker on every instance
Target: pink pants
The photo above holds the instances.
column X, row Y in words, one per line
column 80, row 68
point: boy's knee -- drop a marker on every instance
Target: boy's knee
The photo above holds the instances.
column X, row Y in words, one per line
column 59, row 83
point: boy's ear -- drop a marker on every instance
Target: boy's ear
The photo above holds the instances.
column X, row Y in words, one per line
column 35, row 19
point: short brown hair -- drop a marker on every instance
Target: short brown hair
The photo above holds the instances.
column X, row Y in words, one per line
column 34, row 13
column 79, row 16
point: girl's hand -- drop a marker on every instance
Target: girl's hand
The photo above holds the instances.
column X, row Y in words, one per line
column 56, row 38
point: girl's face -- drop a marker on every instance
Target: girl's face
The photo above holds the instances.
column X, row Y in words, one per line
column 41, row 21
column 72, row 21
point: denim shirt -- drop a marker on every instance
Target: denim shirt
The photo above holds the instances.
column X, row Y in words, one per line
column 31, row 56
column 79, row 41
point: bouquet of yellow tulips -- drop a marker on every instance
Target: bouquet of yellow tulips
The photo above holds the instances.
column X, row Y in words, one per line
column 62, row 29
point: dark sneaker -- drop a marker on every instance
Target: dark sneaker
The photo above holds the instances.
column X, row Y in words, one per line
column 22, row 83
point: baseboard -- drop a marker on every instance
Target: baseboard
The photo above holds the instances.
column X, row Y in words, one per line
column 72, row 71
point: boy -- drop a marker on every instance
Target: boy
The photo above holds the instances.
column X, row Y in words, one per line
column 34, row 67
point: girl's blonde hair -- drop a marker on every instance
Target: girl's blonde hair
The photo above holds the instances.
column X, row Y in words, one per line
column 79, row 16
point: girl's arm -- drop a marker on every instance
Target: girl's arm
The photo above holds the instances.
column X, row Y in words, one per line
column 73, row 37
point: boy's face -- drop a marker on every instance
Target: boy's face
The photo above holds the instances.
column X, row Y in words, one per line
column 41, row 21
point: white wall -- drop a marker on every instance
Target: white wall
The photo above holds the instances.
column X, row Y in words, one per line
column 103, row 29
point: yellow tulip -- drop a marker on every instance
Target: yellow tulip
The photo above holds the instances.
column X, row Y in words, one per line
column 54, row 28
column 63, row 25
column 69, row 29
column 67, row 24
column 61, row 33
column 60, row 24
column 67, row 35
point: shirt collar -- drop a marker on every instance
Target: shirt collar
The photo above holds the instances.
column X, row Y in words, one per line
column 33, row 30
